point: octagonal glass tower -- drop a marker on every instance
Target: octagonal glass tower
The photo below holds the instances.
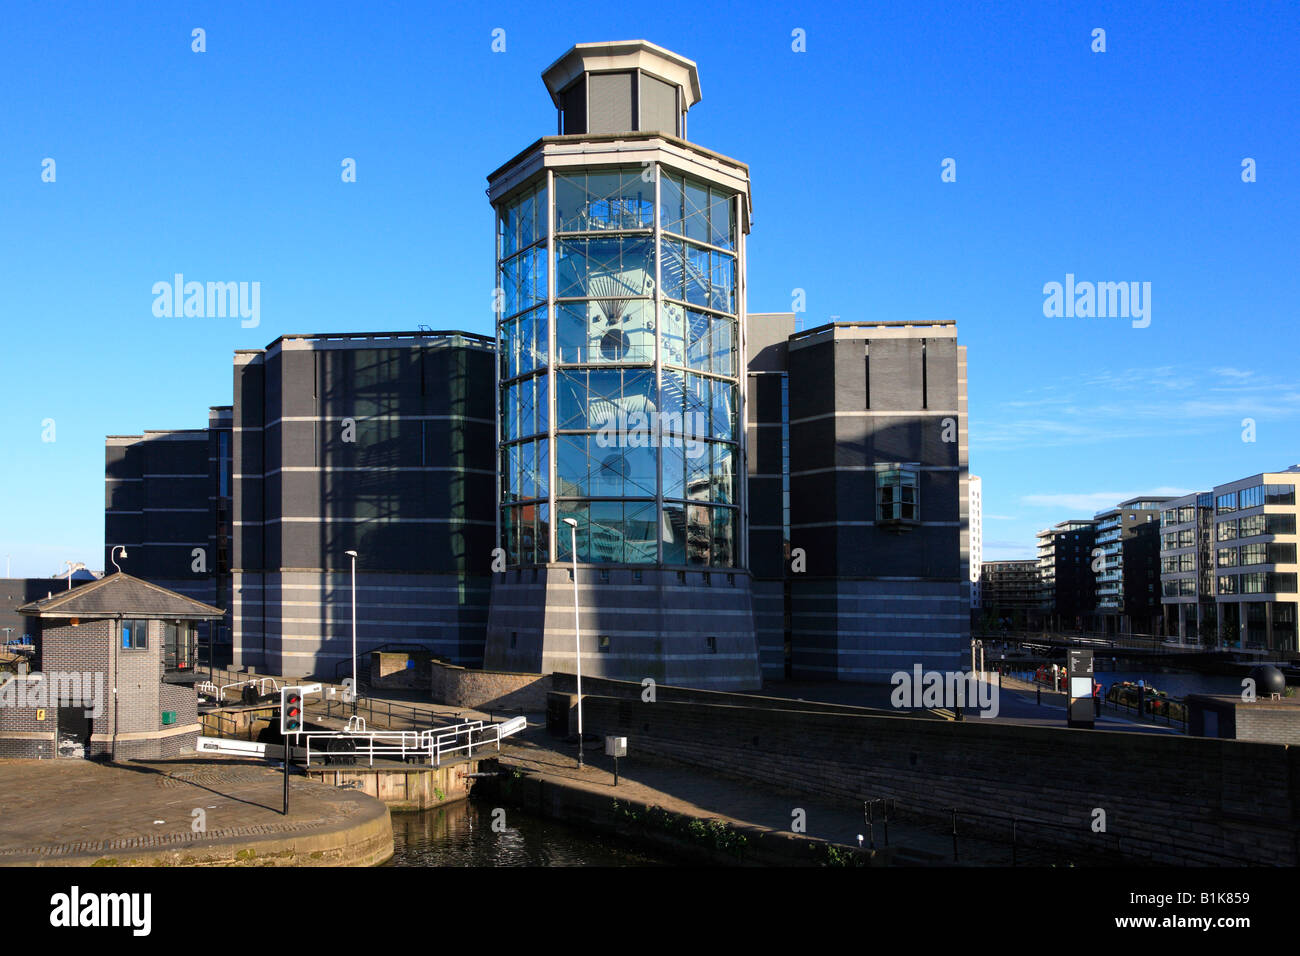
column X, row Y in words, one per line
column 620, row 302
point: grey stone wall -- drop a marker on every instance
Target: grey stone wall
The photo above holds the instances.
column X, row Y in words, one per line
column 1194, row 802
column 695, row 630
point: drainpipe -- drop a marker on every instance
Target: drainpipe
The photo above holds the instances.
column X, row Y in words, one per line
column 117, row 640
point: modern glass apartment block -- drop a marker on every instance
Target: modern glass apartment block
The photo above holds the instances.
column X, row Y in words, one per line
column 1187, row 569
column 1128, row 582
column 620, row 273
column 1255, row 562
column 1066, row 583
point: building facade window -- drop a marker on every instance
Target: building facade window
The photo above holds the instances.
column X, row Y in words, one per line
column 1281, row 583
column 1251, row 497
column 1279, row 524
column 1279, row 494
column 1250, row 526
column 1280, row 553
column 135, row 635
column 898, row 492
column 1254, row 554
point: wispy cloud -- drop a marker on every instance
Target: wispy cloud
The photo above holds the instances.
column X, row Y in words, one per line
column 1134, row 404
column 1233, row 373
column 1090, row 502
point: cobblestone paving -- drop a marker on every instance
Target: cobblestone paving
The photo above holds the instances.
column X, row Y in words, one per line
column 57, row 808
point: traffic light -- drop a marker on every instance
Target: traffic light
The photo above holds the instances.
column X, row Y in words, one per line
column 290, row 710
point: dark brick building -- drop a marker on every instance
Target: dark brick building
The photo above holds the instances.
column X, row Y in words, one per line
column 859, row 530
column 381, row 444
column 167, row 514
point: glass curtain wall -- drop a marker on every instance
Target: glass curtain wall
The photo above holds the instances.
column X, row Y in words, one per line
column 523, row 338
column 645, row 388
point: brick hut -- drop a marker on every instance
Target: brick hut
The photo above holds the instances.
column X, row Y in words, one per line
column 116, row 662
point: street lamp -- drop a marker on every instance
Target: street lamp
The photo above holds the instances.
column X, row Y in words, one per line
column 577, row 642
column 73, row 566
column 353, row 556
column 112, row 555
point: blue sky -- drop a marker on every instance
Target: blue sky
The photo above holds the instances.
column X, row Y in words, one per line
column 225, row 166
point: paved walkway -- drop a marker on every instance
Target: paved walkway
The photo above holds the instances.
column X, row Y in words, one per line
column 696, row 792
column 1020, row 699
column 144, row 812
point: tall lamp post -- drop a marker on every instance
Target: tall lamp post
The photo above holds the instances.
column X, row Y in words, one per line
column 72, row 567
column 353, row 556
column 112, row 556
column 577, row 642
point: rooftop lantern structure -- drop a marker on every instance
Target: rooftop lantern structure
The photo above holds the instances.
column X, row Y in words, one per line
column 624, row 87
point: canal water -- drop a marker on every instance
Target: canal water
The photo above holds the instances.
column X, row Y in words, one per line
column 461, row 834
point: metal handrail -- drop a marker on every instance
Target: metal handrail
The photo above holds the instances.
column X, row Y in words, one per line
column 434, row 744
column 263, row 681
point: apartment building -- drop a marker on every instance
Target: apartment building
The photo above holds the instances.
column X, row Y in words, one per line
column 1255, row 566
column 1128, row 575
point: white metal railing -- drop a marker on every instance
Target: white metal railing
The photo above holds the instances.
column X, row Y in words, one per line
column 403, row 744
column 260, row 683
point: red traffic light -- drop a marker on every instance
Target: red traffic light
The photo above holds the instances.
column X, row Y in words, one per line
column 291, row 711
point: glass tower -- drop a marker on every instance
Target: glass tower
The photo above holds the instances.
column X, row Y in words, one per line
column 620, row 287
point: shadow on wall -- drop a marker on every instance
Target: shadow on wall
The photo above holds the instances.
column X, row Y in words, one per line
column 487, row 690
